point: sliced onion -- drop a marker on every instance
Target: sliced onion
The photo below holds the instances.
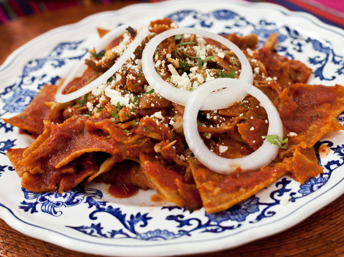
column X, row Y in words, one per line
column 141, row 35
column 262, row 156
column 216, row 100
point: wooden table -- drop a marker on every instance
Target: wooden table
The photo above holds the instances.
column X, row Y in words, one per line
column 319, row 235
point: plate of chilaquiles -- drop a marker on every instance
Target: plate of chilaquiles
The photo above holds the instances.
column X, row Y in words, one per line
column 172, row 128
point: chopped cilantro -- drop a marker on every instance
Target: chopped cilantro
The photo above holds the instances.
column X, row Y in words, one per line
column 193, row 161
column 83, row 101
column 208, row 58
column 114, row 113
column 230, row 75
column 276, row 140
column 97, row 55
column 244, row 106
column 149, row 92
column 178, row 37
column 199, row 123
column 187, row 43
column 136, row 99
column 127, row 131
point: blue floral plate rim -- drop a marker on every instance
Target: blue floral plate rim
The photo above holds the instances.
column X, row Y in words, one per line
column 138, row 227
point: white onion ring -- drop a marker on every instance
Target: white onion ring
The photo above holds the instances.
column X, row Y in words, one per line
column 141, row 35
column 262, row 156
column 216, row 100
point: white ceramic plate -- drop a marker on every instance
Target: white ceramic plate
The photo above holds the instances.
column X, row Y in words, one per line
column 87, row 219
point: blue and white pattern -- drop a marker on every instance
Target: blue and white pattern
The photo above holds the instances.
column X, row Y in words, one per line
column 96, row 223
column 15, row 97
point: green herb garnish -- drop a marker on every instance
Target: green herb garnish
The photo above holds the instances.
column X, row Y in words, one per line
column 187, row 43
column 84, row 101
column 178, row 37
column 194, row 161
column 149, row 92
column 114, row 113
column 230, row 75
column 244, row 106
column 276, row 140
column 136, row 99
column 199, row 123
column 119, row 106
column 96, row 55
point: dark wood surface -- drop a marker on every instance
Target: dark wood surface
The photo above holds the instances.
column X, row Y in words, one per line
column 322, row 234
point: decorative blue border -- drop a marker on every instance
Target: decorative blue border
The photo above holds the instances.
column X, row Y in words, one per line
column 215, row 223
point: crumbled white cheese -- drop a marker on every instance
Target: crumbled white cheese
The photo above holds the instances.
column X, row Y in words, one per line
column 223, row 148
column 181, row 157
column 292, row 134
column 122, row 46
column 118, row 77
column 194, row 69
column 130, row 76
column 89, row 106
column 200, row 48
column 249, row 51
column 210, row 75
column 221, row 55
column 173, row 70
column 208, row 136
column 182, row 81
column 157, row 64
column 158, row 115
column 116, row 97
column 99, row 90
